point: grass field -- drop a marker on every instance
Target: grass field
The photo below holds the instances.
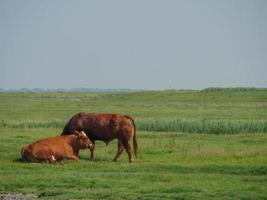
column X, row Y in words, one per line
column 206, row 163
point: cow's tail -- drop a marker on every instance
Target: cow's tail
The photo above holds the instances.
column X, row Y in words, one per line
column 135, row 144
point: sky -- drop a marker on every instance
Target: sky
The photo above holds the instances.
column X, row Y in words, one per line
column 141, row 44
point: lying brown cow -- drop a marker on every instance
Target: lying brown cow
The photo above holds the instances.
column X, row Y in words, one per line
column 57, row 148
column 105, row 127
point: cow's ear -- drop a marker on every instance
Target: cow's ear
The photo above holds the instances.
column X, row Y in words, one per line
column 77, row 134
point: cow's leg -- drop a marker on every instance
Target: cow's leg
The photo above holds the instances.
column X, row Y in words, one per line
column 72, row 157
column 128, row 148
column 120, row 149
column 47, row 160
column 77, row 152
column 92, row 150
column 51, row 159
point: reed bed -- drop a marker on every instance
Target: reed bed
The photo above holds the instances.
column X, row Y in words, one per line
column 202, row 126
column 164, row 125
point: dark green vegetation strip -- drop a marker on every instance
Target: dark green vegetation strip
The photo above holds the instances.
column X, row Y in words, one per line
column 236, row 89
column 171, row 125
column 203, row 126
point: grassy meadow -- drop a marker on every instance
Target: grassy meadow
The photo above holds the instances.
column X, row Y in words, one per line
column 209, row 144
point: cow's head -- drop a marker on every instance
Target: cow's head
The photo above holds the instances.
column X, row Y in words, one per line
column 84, row 141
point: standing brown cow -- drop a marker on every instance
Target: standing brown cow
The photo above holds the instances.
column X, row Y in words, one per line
column 53, row 149
column 105, row 127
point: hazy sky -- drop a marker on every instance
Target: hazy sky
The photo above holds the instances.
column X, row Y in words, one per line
column 140, row 44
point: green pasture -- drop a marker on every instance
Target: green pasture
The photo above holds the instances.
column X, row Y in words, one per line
column 196, row 162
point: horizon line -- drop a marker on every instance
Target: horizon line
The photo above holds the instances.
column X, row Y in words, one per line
column 85, row 89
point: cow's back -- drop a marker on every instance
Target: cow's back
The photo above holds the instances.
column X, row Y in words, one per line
column 55, row 145
column 99, row 126
column 46, row 149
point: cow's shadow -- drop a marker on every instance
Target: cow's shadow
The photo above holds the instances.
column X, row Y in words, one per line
column 95, row 159
column 18, row 160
